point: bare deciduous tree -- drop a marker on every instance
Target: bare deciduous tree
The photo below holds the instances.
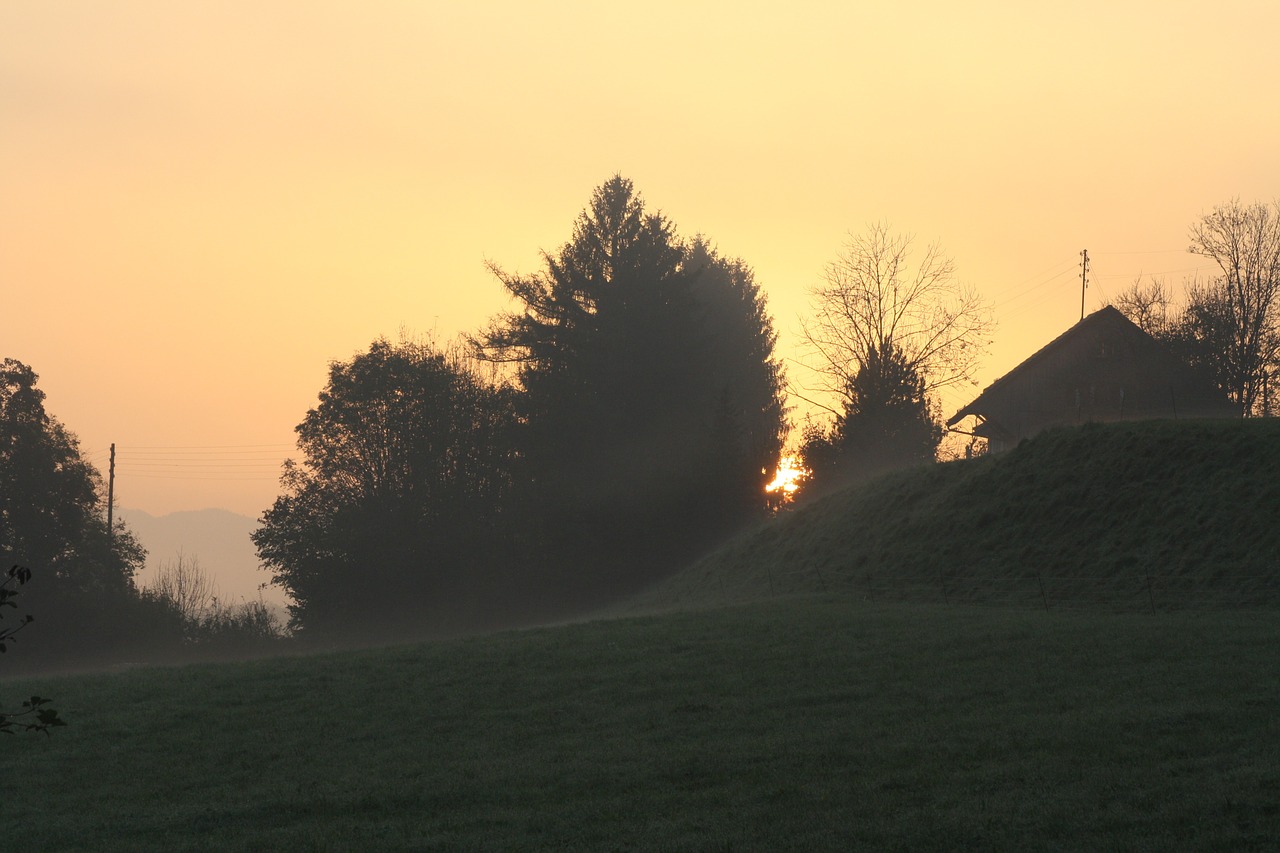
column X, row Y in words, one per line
column 1244, row 241
column 878, row 297
column 185, row 583
column 1147, row 305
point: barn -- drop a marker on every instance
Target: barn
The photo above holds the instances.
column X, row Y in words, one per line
column 1103, row 368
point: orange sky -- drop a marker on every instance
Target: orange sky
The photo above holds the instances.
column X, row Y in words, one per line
column 202, row 204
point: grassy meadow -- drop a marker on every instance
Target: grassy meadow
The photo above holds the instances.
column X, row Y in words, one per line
column 771, row 697
column 795, row 724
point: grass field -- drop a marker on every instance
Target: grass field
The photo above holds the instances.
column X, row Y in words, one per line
column 1093, row 512
column 815, row 713
column 812, row 723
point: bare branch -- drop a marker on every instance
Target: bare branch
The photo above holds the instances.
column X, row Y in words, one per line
column 1244, row 241
column 877, row 294
column 185, row 583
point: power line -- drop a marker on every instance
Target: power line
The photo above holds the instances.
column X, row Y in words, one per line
column 207, row 462
column 202, row 446
column 1147, row 252
column 1059, row 269
column 1157, row 272
column 186, row 477
column 1040, row 300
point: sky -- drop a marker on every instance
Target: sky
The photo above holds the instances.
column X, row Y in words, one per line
column 203, row 204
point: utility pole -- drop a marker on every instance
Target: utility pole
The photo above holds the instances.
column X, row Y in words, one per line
column 1084, row 277
column 111, row 495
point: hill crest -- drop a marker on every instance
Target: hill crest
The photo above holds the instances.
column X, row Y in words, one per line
column 1100, row 506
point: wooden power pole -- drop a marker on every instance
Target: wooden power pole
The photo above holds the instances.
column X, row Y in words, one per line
column 111, row 494
column 1084, row 277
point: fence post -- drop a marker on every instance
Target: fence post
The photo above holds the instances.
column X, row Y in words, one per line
column 1044, row 598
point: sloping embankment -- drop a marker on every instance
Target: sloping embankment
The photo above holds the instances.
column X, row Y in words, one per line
column 1179, row 513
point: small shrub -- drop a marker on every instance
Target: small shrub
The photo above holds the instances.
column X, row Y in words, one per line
column 245, row 627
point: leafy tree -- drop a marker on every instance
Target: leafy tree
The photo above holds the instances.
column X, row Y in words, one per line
column 394, row 519
column 887, row 423
column 52, row 514
column 749, row 423
column 651, row 393
column 51, row 509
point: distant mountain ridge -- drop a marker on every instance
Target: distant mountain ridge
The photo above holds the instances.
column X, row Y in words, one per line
column 217, row 538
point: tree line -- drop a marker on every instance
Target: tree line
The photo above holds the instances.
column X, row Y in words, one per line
column 81, row 603
column 620, row 420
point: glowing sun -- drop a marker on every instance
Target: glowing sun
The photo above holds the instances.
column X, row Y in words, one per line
column 788, row 477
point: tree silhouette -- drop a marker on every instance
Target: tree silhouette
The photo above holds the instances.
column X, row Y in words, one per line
column 750, row 420
column 880, row 295
column 1228, row 325
column 887, row 423
column 1238, row 313
column 51, row 509
column 651, row 393
column 890, row 328
column 394, row 519
column 52, row 515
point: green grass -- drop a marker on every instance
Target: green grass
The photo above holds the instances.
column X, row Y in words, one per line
column 1096, row 513
column 801, row 724
column 835, row 710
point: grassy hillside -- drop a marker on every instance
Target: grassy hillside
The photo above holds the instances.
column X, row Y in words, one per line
column 805, row 720
column 1170, row 513
column 795, row 724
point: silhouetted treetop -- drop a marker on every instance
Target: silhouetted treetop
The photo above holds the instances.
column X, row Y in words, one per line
column 651, row 391
column 395, row 515
column 620, row 259
column 51, row 512
column 887, row 423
